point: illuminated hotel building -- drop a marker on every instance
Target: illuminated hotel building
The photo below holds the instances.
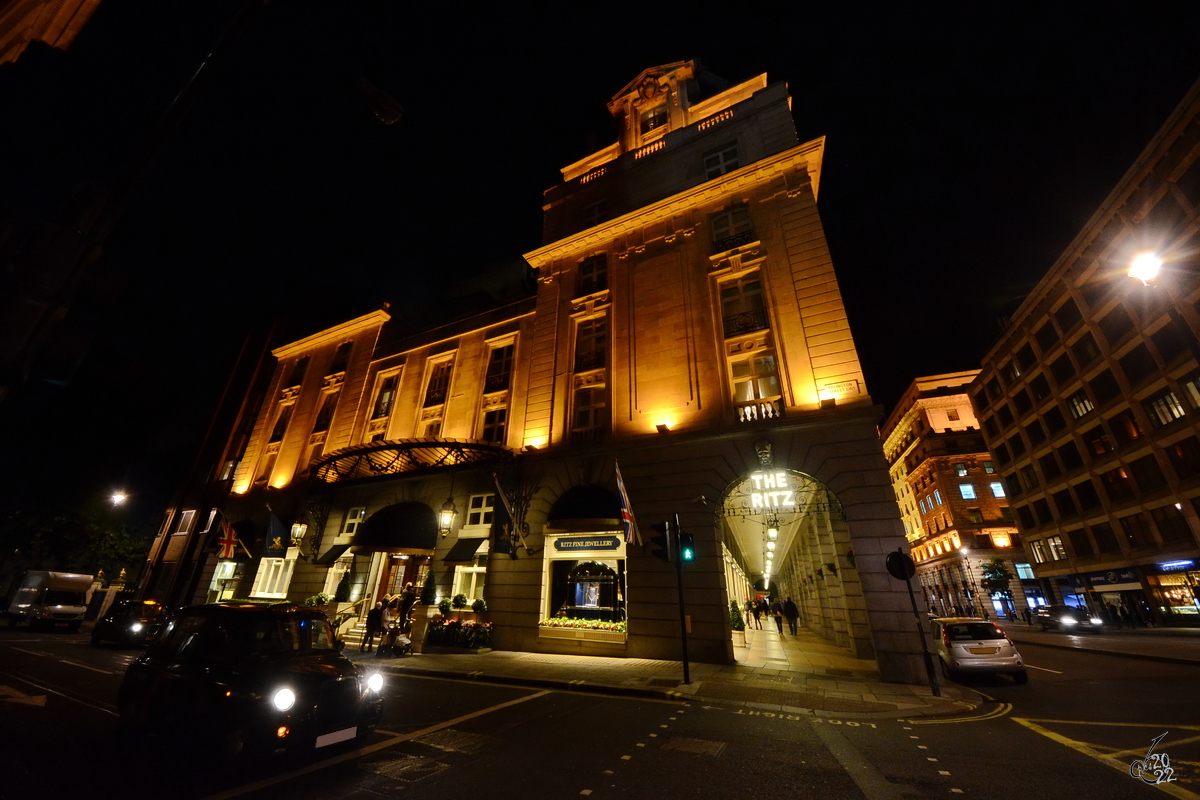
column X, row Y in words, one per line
column 684, row 321
column 952, row 501
column 1090, row 403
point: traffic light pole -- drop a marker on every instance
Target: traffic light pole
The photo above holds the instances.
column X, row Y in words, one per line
column 682, row 612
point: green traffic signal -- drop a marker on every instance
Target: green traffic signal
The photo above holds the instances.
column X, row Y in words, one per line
column 687, row 546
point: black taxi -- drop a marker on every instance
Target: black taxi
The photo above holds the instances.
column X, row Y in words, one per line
column 249, row 679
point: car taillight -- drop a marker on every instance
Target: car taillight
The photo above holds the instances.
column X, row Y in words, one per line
column 946, row 636
column 1002, row 633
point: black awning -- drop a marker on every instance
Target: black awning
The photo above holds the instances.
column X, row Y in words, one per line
column 464, row 550
column 585, row 508
column 332, row 554
column 399, row 528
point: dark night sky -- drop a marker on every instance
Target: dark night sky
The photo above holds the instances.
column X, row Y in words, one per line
column 965, row 148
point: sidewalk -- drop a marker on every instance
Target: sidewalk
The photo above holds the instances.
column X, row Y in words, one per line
column 802, row 674
column 1172, row 645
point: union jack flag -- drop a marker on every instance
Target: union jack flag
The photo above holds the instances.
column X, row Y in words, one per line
column 228, row 541
column 631, row 531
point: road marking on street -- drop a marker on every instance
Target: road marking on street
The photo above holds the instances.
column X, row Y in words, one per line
column 63, row 695
column 368, row 750
column 85, row 666
column 998, row 711
column 11, row 695
column 1137, row 751
column 34, row 652
column 1108, row 759
column 866, row 776
column 1044, row 669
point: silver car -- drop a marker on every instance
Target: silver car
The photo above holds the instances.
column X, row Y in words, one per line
column 970, row 644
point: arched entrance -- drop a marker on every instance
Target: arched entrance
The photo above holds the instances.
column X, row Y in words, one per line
column 790, row 536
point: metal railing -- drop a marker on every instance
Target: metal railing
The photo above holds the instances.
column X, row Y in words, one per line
column 746, row 322
column 758, row 410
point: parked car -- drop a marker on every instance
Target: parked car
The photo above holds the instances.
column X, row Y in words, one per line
column 129, row 622
column 1069, row 618
column 971, row 644
column 249, row 679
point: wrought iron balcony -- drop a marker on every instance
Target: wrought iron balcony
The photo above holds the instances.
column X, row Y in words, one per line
column 758, row 410
column 746, row 322
column 589, row 361
column 730, row 242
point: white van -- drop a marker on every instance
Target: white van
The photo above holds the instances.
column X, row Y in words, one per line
column 50, row 600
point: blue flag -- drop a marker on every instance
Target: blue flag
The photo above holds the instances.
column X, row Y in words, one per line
column 277, row 539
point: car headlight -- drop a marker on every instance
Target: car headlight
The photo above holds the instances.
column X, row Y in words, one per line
column 135, row 627
column 375, row 682
column 1097, row 621
column 284, row 699
column 1068, row 621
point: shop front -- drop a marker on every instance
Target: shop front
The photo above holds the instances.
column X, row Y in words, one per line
column 584, row 584
column 1114, row 588
column 1175, row 586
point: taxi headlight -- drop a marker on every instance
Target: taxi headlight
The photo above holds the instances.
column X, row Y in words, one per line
column 1068, row 621
column 135, row 627
column 284, row 699
column 375, row 682
column 1097, row 621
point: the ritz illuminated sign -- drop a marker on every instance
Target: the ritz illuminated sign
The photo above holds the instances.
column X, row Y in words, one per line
column 773, row 491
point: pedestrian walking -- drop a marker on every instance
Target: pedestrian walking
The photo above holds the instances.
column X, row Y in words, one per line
column 1126, row 617
column 407, row 601
column 374, row 624
column 756, row 610
column 793, row 615
column 1028, row 616
column 777, row 613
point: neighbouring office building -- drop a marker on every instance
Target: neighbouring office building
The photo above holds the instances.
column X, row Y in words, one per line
column 685, row 323
column 952, row 501
column 1090, row 403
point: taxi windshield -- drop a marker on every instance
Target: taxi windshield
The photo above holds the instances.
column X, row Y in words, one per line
column 275, row 634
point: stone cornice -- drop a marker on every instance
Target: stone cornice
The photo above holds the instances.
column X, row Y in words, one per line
column 335, row 335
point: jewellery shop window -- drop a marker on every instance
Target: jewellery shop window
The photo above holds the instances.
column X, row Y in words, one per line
column 586, row 586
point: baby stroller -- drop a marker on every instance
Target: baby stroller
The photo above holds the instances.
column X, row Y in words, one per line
column 395, row 644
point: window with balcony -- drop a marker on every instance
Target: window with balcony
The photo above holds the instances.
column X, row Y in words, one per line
column 499, row 370
column 589, row 415
column 654, row 119
column 593, row 275
column 755, row 380
column 731, row 228
column 742, row 306
column 591, row 344
column 438, row 387
column 385, row 395
column 718, row 162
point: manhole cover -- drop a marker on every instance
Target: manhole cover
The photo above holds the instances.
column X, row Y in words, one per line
column 455, row 741
column 408, row 769
column 698, row 746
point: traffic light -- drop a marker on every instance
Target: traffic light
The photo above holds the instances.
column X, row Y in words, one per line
column 661, row 541
column 687, row 546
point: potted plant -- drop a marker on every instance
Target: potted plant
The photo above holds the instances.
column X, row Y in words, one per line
column 737, row 624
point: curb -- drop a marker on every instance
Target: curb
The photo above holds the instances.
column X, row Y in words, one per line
column 1143, row 656
column 663, row 694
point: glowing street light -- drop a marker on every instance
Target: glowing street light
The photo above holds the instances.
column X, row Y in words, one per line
column 118, row 498
column 1145, row 267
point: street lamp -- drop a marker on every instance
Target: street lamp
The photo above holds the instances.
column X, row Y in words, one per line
column 1146, row 267
column 965, row 552
column 118, row 498
column 446, row 516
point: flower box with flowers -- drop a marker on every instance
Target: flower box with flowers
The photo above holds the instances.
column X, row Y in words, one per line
column 461, row 634
column 582, row 629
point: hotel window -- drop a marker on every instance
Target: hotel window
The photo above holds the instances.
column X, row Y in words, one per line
column 480, row 509
column 1138, row 364
column 1106, row 540
column 1024, row 571
column 433, row 429
column 341, row 358
column 1080, row 404
column 1163, row 409
column 1062, row 369
column 1068, row 454
column 354, row 518
column 975, row 515
column 989, row 468
column 1137, row 530
column 595, row 213
column 1068, row 316
column 654, row 119
column 720, row 161
column 1039, row 552
column 922, row 505
column 952, row 414
column 1170, row 341
column 325, row 414
column 1125, row 427
column 499, row 371
column 590, row 413
column 937, row 495
column 1046, row 337
column 593, row 275
column 1172, row 524
column 1080, row 543
column 1147, row 474
column 1185, row 457
column 731, row 228
column 470, row 580
column 1116, row 325
column 1050, row 467
column 281, row 423
column 494, row 423
column 742, row 307
column 274, row 575
column 1085, row 350
column 1089, row 498
column 1191, row 388
column 755, row 377
column 967, row 490
column 997, row 489
column 438, row 387
column 960, row 469
column 298, row 370
column 185, row 521
column 385, row 395
column 1104, row 387
column 1117, row 484
column 1055, row 545
column 1039, row 387
column 591, row 344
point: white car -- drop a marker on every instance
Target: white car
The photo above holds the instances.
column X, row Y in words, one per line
column 971, row 644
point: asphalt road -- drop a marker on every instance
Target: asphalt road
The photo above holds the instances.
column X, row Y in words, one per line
column 1071, row 732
